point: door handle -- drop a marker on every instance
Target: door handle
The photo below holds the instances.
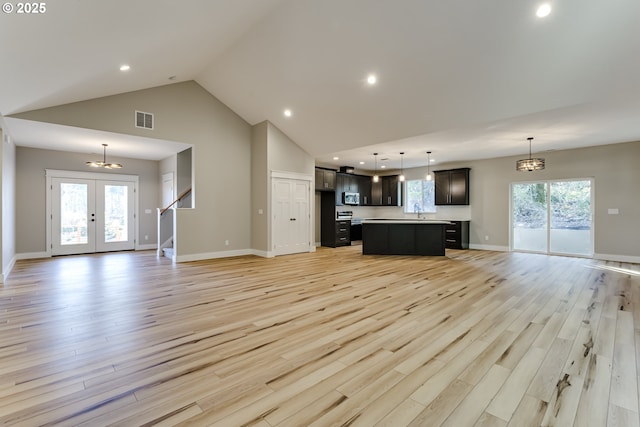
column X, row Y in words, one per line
column 292, row 219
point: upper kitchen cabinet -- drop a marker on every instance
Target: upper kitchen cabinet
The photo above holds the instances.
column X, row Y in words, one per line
column 364, row 188
column 391, row 191
column 387, row 191
column 452, row 187
column 325, row 179
column 348, row 182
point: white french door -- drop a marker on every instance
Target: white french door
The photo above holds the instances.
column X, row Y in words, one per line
column 91, row 215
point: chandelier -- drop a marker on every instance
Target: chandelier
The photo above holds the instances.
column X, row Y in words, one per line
column 103, row 163
column 530, row 164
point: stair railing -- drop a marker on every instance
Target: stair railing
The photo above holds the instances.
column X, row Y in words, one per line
column 180, row 197
column 166, row 224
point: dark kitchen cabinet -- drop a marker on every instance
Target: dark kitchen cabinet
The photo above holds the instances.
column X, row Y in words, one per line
column 391, row 191
column 364, row 188
column 457, row 235
column 343, row 232
column 387, row 191
column 452, row 187
column 403, row 238
column 325, row 179
column 356, row 232
column 376, row 193
column 333, row 232
column 345, row 182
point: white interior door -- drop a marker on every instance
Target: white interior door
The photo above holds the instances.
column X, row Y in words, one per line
column 91, row 216
column 300, row 227
column 168, row 195
column 291, row 216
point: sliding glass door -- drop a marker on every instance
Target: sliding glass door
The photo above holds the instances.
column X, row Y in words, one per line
column 552, row 217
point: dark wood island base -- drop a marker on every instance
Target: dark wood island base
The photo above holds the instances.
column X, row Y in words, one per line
column 403, row 237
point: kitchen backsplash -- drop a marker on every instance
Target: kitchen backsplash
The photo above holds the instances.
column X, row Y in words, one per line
column 458, row 213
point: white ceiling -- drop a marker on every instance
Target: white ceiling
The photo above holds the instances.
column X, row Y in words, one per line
column 461, row 78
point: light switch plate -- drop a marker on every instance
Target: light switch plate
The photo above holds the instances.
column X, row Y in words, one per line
column 613, row 211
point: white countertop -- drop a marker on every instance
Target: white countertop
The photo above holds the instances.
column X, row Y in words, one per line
column 403, row 221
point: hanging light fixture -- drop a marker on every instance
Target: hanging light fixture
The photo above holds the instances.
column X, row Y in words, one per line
column 376, row 178
column 428, row 163
column 530, row 164
column 103, row 163
column 402, row 167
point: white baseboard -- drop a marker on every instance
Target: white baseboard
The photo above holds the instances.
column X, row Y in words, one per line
column 227, row 254
column 489, row 247
column 8, row 269
column 33, row 255
column 213, row 255
column 617, row 258
column 263, row 254
column 146, row 247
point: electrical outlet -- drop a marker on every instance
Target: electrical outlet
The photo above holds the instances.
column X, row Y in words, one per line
column 486, row 237
column 226, row 243
column 146, row 237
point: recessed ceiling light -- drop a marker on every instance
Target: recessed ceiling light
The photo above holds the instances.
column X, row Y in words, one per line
column 125, row 67
column 383, row 167
column 372, row 79
column 336, row 158
column 362, row 163
column 287, row 113
column 543, row 10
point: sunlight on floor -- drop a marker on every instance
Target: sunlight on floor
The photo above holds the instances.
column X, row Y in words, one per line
column 616, row 269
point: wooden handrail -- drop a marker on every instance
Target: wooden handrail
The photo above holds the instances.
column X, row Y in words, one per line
column 180, row 197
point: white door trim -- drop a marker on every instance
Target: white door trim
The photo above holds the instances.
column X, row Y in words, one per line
column 56, row 173
column 291, row 176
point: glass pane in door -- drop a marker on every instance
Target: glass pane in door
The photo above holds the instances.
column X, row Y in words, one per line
column 570, row 217
column 73, row 213
column 116, row 217
column 529, row 207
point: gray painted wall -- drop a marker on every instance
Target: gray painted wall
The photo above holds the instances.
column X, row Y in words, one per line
column 229, row 166
column 8, row 188
column 613, row 167
column 284, row 155
column 31, row 193
column 259, row 188
column 221, row 142
column 272, row 150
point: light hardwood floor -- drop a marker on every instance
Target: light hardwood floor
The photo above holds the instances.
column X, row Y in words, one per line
column 330, row 338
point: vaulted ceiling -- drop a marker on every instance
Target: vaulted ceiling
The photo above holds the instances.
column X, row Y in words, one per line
column 461, row 78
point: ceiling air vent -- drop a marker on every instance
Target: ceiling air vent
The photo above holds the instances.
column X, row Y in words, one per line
column 144, row 120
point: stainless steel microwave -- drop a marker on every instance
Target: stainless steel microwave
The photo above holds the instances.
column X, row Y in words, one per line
column 350, row 198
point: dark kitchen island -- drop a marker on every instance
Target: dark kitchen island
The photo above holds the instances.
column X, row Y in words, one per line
column 403, row 237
